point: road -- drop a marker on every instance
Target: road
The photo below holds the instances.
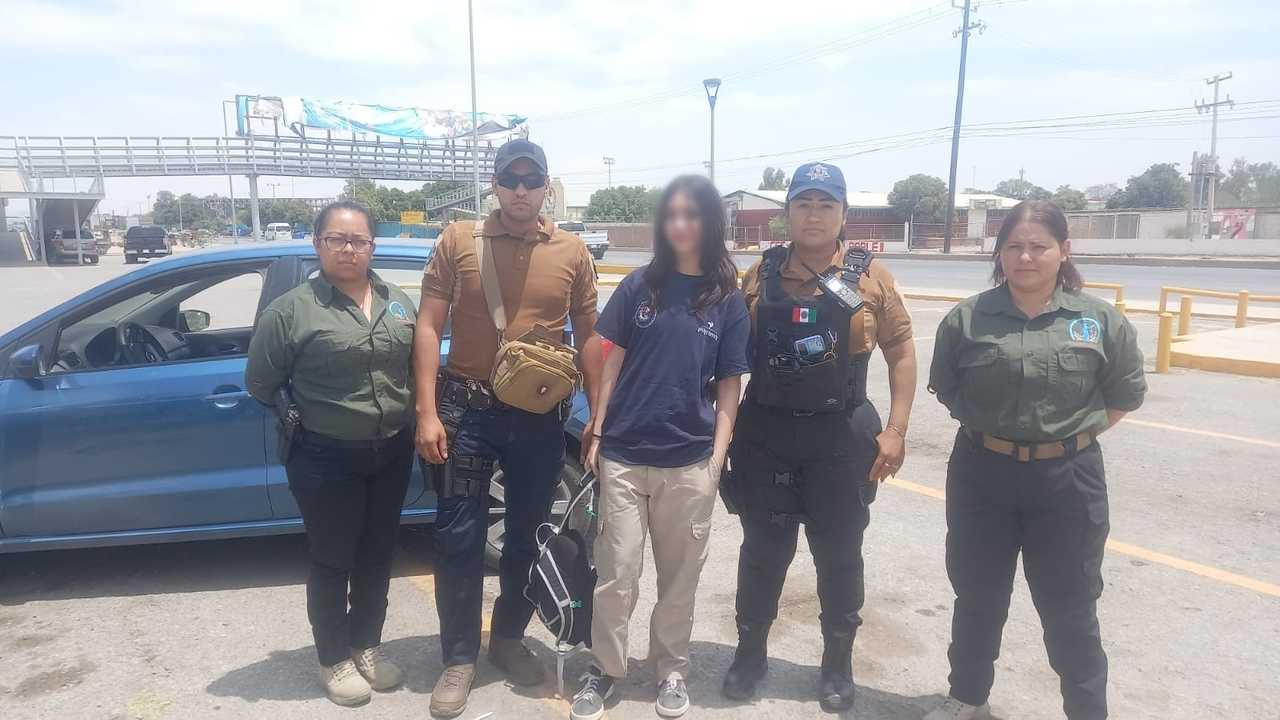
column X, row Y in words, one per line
column 1190, row 617
column 1141, row 283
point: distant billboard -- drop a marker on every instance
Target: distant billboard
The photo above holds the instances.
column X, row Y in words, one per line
column 1234, row 223
column 271, row 115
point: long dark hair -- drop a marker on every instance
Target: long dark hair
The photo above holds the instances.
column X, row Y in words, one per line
column 719, row 273
column 354, row 206
column 1049, row 216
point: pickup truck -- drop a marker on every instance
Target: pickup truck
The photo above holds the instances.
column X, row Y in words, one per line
column 597, row 240
column 145, row 241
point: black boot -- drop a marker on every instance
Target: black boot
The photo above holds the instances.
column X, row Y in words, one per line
column 836, row 690
column 750, row 662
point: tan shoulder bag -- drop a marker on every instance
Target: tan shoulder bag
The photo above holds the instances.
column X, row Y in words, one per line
column 534, row 372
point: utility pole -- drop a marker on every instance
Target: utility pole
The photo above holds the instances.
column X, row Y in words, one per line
column 608, row 163
column 475, row 115
column 963, row 32
column 1216, row 82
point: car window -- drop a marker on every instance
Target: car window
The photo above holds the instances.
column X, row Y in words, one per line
column 230, row 303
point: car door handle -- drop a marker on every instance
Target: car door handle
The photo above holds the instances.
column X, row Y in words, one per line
column 227, row 397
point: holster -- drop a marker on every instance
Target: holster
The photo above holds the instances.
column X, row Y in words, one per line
column 462, row 476
column 289, row 420
column 731, row 490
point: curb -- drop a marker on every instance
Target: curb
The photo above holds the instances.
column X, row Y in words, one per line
column 1234, row 366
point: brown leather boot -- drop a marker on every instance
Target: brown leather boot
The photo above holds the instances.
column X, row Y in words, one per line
column 513, row 658
column 449, row 697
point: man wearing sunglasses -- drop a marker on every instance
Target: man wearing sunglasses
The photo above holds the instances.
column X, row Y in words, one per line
column 545, row 276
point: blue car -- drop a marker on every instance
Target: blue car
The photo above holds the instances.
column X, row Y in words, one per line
column 124, row 418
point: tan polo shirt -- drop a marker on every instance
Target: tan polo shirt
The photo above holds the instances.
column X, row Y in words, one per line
column 883, row 319
column 546, row 277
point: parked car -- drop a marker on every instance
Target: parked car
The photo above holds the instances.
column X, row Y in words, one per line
column 124, row 418
column 145, row 241
column 597, row 241
column 60, row 245
column 102, row 241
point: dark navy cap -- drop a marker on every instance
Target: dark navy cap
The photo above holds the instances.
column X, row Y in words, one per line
column 824, row 177
column 513, row 150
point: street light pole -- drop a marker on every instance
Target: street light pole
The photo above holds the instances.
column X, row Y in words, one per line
column 712, row 86
column 475, row 115
column 231, row 188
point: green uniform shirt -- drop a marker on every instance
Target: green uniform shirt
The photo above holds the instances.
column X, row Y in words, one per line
column 1036, row 380
column 350, row 377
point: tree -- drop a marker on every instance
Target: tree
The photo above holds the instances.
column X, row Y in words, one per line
column 1161, row 186
column 1068, row 198
column 623, row 203
column 774, row 179
column 922, row 198
column 779, row 229
column 1020, row 189
column 1101, row 192
column 1250, row 184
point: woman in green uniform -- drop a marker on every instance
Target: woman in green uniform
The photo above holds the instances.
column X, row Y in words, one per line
column 809, row 447
column 1034, row 370
column 338, row 346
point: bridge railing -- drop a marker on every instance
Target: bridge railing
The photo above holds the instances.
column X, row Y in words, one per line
column 326, row 156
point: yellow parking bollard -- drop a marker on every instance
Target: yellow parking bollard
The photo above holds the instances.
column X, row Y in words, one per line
column 1164, row 342
column 1242, row 308
column 1184, row 315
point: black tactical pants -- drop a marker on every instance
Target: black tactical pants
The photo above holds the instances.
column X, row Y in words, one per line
column 814, row 469
column 1055, row 512
column 350, row 499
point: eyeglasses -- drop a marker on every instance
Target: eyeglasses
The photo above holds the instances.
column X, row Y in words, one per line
column 530, row 181
column 359, row 245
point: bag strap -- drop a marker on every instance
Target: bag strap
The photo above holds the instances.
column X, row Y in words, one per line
column 489, row 280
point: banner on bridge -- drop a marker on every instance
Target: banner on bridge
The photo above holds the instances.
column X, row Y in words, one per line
column 269, row 115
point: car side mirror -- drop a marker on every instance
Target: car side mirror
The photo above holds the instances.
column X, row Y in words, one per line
column 26, row 363
column 196, row 320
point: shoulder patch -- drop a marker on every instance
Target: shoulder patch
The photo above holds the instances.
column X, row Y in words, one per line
column 1085, row 329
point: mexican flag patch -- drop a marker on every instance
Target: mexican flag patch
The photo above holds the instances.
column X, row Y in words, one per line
column 804, row 315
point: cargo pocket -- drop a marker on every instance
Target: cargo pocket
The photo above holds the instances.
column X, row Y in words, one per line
column 1073, row 374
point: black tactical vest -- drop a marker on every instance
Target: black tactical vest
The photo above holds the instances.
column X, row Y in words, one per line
column 801, row 348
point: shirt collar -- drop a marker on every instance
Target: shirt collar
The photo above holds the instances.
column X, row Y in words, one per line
column 1000, row 302
column 325, row 291
column 493, row 227
column 794, row 270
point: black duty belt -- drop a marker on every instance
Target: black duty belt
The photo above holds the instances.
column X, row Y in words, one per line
column 465, row 392
column 314, row 438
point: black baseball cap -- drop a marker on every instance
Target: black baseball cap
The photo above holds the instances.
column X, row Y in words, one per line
column 513, row 150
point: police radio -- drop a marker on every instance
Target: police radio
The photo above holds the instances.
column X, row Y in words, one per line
column 834, row 287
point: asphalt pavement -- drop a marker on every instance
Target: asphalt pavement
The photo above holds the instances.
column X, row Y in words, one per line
column 1190, row 617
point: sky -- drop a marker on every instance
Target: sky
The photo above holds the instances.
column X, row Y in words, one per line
column 869, row 86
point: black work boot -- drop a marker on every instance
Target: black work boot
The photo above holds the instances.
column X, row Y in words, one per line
column 750, row 661
column 836, row 689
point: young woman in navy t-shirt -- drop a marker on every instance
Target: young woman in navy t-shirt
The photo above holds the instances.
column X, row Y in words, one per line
column 667, row 404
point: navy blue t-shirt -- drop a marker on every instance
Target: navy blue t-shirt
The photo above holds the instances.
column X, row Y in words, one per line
column 661, row 412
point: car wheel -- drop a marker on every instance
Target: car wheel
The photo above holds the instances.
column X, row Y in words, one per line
column 130, row 259
column 93, row 259
column 566, row 488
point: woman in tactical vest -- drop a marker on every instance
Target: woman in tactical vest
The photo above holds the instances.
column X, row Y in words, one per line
column 1034, row 370
column 668, row 399
column 809, row 446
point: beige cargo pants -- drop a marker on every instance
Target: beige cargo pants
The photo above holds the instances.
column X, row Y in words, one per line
column 673, row 506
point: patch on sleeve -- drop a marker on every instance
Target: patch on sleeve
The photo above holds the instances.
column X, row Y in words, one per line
column 1085, row 329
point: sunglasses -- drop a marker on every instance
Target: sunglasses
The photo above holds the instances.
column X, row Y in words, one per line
column 531, row 181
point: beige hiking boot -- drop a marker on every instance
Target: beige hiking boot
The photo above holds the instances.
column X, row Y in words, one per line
column 449, row 697
column 381, row 673
column 344, row 684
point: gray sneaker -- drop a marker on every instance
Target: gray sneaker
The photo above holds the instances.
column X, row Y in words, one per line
column 588, row 702
column 673, row 697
